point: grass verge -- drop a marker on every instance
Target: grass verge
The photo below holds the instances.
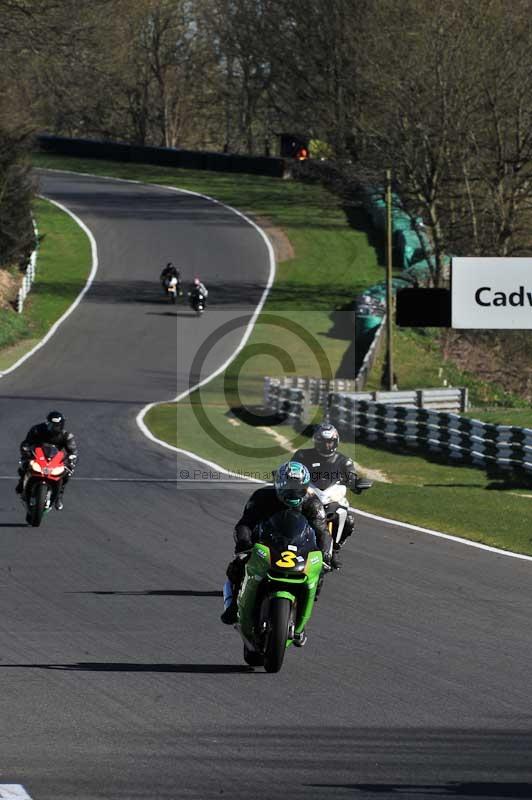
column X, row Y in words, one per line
column 63, row 264
column 419, row 362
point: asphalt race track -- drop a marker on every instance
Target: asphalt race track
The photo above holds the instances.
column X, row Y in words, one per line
column 117, row 679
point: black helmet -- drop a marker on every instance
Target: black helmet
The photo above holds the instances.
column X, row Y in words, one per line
column 326, row 440
column 55, row 422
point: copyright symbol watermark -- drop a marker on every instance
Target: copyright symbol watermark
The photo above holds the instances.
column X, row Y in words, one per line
column 282, row 344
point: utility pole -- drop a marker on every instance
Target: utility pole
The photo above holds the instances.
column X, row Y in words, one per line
column 389, row 293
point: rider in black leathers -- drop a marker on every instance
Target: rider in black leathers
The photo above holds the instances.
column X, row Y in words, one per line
column 50, row 432
column 290, row 487
column 327, row 466
column 170, row 271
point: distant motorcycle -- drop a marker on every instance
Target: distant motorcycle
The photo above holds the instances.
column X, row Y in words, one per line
column 172, row 288
column 197, row 302
column 42, row 482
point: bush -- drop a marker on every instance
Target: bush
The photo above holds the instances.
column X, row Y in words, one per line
column 16, row 187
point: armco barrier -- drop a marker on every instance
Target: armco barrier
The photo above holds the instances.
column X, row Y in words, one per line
column 292, row 396
column 496, row 448
column 291, row 404
column 321, row 392
column 453, row 400
column 164, row 156
column 316, row 389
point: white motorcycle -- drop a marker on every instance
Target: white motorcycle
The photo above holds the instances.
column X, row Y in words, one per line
column 334, row 499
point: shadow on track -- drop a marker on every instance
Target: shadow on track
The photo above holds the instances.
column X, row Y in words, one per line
column 54, row 399
column 121, row 201
column 233, row 294
column 148, row 205
column 494, row 790
column 13, row 525
column 159, row 593
column 171, row 314
column 128, row 666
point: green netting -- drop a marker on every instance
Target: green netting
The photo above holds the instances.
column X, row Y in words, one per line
column 374, row 202
column 414, row 252
column 409, row 248
column 401, row 221
column 370, row 304
column 419, row 272
column 364, row 324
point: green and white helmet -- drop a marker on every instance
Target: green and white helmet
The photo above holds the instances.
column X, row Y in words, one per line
column 291, row 482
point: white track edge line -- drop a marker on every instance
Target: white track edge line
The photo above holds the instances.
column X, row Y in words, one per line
column 13, row 791
column 448, row 536
column 140, row 416
column 77, row 301
column 247, row 333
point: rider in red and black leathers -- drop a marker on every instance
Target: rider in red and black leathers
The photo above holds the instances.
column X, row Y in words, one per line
column 290, row 489
column 50, row 432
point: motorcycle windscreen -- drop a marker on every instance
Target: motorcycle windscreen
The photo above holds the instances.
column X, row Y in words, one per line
column 50, row 451
column 288, row 528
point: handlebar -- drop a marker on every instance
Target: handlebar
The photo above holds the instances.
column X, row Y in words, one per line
column 362, row 484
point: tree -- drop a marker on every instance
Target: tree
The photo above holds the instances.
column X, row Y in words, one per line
column 316, row 87
column 416, row 68
column 243, row 34
column 502, row 138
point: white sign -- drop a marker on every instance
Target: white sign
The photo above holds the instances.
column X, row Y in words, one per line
column 13, row 791
column 491, row 293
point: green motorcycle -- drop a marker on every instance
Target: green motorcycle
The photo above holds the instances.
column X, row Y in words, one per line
column 282, row 577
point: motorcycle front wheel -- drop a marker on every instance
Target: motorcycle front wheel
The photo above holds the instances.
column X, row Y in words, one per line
column 280, row 609
column 38, row 495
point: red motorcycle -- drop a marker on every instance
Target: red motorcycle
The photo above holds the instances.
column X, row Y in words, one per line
column 42, row 482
